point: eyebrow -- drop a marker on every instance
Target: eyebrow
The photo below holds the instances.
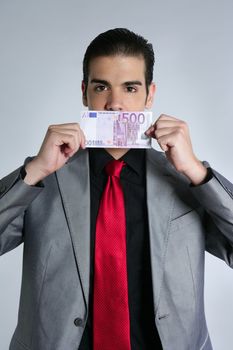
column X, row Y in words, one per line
column 100, row 81
column 126, row 83
column 133, row 82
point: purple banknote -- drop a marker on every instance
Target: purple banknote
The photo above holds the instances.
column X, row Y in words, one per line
column 112, row 129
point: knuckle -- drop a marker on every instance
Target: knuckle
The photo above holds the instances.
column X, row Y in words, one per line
column 51, row 132
column 51, row 127
column 183, row 124
column 72, row 137
column 158, row 125
column 76, row 126
column 162, row 116
column 160, row 142
column 179, row 132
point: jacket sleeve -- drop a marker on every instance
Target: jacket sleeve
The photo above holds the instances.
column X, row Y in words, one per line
column 216, row 197
column 15, row 197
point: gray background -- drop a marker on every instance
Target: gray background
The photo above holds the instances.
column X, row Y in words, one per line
column 41, row 48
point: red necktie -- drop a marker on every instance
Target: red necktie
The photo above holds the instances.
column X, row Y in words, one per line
column 111, row 324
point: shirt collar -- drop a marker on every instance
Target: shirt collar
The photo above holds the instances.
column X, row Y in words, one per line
column 134, row 158
column 99, row 158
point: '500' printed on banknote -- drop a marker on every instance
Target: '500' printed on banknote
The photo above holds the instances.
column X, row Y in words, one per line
column 113, row 129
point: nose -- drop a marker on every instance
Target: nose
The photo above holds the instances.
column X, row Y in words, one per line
column 114, row 102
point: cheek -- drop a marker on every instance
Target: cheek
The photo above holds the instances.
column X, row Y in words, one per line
column 95, row 101
column 137, row 100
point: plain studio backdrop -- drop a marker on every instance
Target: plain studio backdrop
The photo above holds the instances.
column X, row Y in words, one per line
column 42, row 45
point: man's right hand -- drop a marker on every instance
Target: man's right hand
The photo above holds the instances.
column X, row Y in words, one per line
column 60, row 143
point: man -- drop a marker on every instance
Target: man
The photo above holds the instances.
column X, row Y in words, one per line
column 175, row 205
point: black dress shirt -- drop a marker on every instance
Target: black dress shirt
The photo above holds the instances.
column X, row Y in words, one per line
column 143, row 332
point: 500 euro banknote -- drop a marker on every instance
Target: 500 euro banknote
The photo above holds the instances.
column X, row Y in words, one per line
column 113, row 129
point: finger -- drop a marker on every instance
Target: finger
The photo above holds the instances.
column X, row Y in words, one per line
column 83, row 139
column 150, row 131
column 68, row 128
column 156, row 132
column 65, row 126
column 162, row 122
column 58, row 133
column 167, row 117
column 164, row 131
column 64, row 131
column 168, row 124
column 67, row 141
column 80, row 141
column 167, row 141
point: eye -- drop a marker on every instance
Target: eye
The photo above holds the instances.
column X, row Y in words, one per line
column 100, row 88
column 131, row 89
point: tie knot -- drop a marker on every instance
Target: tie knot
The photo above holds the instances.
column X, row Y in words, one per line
column 114, row 167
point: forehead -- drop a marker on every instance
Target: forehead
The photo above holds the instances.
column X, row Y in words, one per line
column 117, row 67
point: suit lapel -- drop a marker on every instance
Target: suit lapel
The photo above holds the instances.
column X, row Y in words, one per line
column 160, row 204
column 73, row 180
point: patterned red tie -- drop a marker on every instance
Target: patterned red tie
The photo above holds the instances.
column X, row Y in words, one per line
column 111, row 324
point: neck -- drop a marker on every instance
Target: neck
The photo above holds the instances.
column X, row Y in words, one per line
column 117, row 153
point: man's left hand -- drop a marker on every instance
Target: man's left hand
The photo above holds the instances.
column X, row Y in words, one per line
column 173, row 137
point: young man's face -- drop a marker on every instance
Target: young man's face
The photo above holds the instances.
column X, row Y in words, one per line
column 117, row 83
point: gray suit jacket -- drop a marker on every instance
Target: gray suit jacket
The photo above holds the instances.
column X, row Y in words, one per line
column 53, row 222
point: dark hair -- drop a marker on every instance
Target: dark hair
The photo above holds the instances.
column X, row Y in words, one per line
column 120, row 41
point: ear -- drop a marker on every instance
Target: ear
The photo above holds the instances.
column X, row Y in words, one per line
column 150, row 96
column 84, row 95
